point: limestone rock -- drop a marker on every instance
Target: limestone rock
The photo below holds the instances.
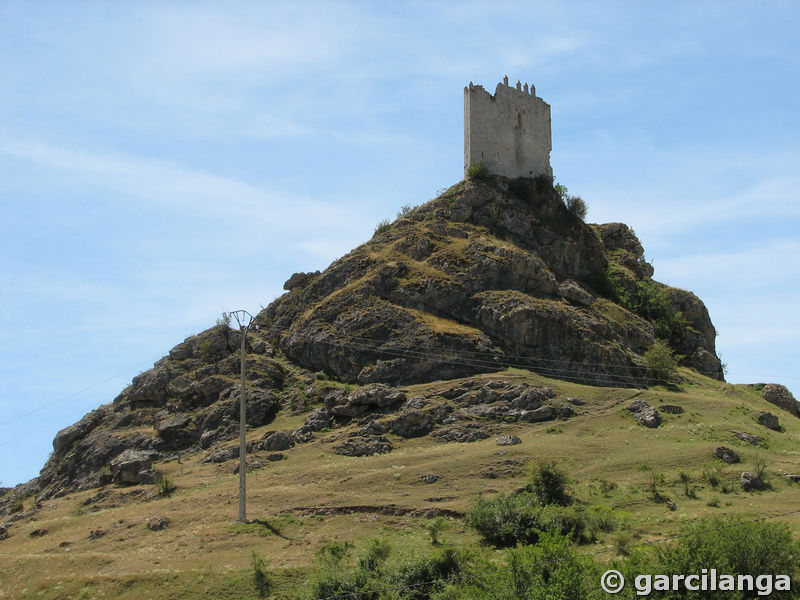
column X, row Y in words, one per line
column 172, row 425
column 747, row 437
column 374, row 428
column 364, row 446
column 412, row 424
column 751, row 481
column 275, row 441
column 79, row 430
column 508, row 440
column 564, row 412
column 222, row 455
column 468, row 432
column 672, row 409
column 319, row 419
column 726, row 454
column 637, row 405
column 648, row 416
column 298, row 280
column 543, row 413
column 126, row 467
column 571, row 290
column 769, row 421
column 157, row 523
column 781, row 397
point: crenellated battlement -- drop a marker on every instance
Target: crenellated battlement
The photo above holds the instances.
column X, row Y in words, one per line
column 509, row 132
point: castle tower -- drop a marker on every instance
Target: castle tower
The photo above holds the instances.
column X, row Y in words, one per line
column 508, row 132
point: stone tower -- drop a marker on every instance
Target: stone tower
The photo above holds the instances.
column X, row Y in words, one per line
column 508, row 132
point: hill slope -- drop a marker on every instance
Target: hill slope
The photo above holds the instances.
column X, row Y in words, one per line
column 490, row 310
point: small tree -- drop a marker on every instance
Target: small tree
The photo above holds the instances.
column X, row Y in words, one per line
column 435, row 527
column 576, row 207
column 661, row 361
column 548, row 484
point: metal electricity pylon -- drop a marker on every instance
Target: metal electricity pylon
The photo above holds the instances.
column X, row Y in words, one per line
column 243, row 319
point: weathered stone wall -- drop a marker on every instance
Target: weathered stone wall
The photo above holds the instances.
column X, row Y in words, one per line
column 508, row 132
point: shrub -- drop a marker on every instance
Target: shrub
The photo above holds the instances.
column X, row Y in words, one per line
column 163, row 484
column 653, row 481
column 550, row 569
column 404, row 211
column 418, row 578
column 262, row 580
column 576, row 206
column 548, row 484
column 476, row 170
column 377, row 553
column 731, row 546
column 16, row 506
column 382, row 226
column 661, row 361
column 507, row 520
column 652, row 302
column 435, row 526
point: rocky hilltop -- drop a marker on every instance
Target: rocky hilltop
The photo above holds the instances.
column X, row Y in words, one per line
column 492, row 274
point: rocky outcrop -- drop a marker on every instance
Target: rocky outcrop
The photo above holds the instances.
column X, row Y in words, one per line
column 726, row 455
column 508, row 440
column 412, row 424
column 128, row 466
column 491, row 273
column 648, row 416
column 751, row 482
column 364, row 446
column 747, row 437
column 645, row 414
column 769, row 421
column 781, row 397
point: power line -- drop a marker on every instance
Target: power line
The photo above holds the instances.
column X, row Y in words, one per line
column 73, row 394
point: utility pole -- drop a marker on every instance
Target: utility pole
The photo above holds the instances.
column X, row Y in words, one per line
column 244, row 319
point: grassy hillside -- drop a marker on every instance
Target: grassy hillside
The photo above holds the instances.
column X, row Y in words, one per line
column 315, row 497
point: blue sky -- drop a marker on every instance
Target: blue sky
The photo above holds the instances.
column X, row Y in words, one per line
column 161, row 162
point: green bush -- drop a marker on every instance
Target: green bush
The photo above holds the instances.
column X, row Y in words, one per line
column 732, row 547
column 377, row 553
column 548, row 484
column 476, row 170
column 435, row 526
column 576, row 206
column 418, row 578
column 661, row 361
column 371, row 577
column 550, row 570
column 508, row 520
